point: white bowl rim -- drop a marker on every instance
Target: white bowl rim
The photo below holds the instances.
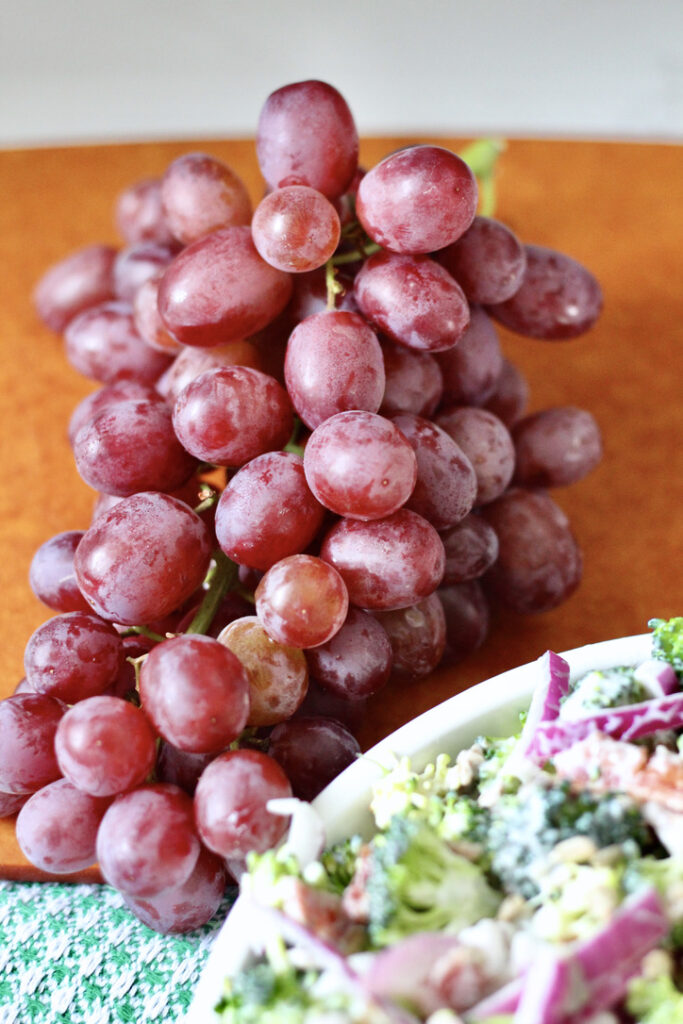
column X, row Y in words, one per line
column 343, row 805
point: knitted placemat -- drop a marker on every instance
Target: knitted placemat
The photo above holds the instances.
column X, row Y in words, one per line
column 74, row 954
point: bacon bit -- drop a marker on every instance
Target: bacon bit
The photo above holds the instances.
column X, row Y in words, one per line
column 322, row 913
column 355, row 901
column 602, row 764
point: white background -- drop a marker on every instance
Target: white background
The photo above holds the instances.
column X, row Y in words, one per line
column 73, row 70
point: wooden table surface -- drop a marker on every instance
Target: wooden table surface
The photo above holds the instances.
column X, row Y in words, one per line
column 617, row 207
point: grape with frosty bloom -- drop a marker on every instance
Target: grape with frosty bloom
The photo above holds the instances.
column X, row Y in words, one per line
column 331, row 364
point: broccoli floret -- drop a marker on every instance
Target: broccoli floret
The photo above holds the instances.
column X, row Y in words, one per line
column 655, row 1000
column 667, row 642
column 339, row 863
column 417, row 883
column 261, row 995
column 608, row 688
column 406, row 791
column 464, row 820
column 526, row 826
column 667, row 877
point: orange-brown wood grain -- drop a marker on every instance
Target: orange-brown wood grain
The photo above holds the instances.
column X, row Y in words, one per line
column 617, row 207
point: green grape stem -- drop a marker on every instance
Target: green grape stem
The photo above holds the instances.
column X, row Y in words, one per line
column 222, row 579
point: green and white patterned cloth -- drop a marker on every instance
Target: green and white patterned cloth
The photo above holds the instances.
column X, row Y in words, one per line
column 73, row 954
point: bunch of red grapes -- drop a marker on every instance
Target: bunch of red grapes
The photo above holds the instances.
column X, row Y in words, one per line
column 334, row 353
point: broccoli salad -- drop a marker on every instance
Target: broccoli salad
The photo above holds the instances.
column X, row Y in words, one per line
column 532, row 879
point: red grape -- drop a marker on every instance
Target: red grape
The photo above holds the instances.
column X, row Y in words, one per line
column 180, row 767
column 136, row 264
column 28, row 724
column 446, row 483
column 10, row 803
column 388, row 563
column 467, row 618
column 73, row 656
column 267, row 511
column 277, row 673
column 413, row 300
column 356, row 662
column 471, row 548
column 139, row 214
column 147, row 319
column 57, row 827
column 143, row 558
column 306, row 136
column 558, row 298
column 52, row 575
column 417, row 635
column 103, row 344
column 358, row 464
column 488, row 261
column 510, row 396
column 183, row 908
column 471, row 368
column 417, row 200
column 105, row 745
column 230, row 803
column 539, row 562
column 333, row 363
column 556, row 447
column 219, row 289
column 301, row 601
column 200, row 194
column 147, row 841
column 296, row 229
column 191, row 363
column 230, row 415
column 131, row 447
column 414, row 382
column 78, row 282
column 486, row 442
column 312, row 751
column 195, row 692
column 122, row 390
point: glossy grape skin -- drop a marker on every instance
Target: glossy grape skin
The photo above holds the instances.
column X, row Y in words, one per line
column 471, row 369
column 131, row 447
column 510, row 395
column 301, row 601
column 219, row 289
column 388, row 563
column 467, row 619
column 471, row 548
column 267, row 511
column 277, row 673
column 333, row 363
column 312, row 751
column 556, row 447
column 359, row 465
column 306, row 136
column 57, row 828
column 136, row 264
column 52, row 576
column 180, row 767
column 417, row 200
column 195, row 692
column 143, row 558
column 105, row 745
column 28, row 724
column 147, row 319
column 356, row 662
column 73, row 656
column 558, row 298
column 123, row 390
column 417, row 635
column 186, row 907
column 147, row 841
column 539, row 562
column 486, row 442
column 191, row 363
column 446, row 484
column 488, row 261
column 230, row 803
column 413, row 300
column 103, row 344
column 296, row 229
column 413, row 381
column 232, row 414
column 83, row 279
column 200, row 194
column 139, row 214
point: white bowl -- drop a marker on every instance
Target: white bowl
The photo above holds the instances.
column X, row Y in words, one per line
column 490, row 708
